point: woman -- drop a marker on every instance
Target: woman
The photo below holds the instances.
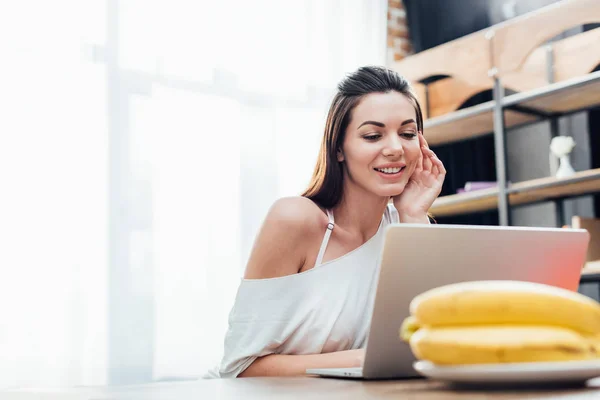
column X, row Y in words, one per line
column 308, row 290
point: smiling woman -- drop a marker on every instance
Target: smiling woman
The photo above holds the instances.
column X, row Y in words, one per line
column 376, row 120
column 307, row 294
column 380, row 156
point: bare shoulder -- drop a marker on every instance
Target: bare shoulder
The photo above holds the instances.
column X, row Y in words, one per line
column 298, row 212
column 284, row 238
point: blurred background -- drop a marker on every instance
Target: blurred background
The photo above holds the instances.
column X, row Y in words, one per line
column 142, row 142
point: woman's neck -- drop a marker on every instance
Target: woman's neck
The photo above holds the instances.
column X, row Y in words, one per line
column 360, row 212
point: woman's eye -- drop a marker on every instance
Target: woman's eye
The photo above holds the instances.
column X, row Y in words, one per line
column 409, row 135
column 372, row 137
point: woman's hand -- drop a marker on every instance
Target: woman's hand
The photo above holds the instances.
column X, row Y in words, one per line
column 423, row 187
column 356, row 357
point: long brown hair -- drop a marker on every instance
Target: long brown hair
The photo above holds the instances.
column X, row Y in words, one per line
column 326, row 184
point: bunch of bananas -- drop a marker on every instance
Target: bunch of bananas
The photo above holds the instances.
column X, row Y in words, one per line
column 486, row 322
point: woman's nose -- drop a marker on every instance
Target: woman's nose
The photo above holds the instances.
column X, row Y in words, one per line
column 393, row 147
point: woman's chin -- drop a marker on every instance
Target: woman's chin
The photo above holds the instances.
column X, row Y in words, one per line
column 392, row 191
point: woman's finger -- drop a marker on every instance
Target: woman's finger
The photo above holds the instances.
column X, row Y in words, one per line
column 439, row 164
column 427, row 161
column 424, row 141
column 435, row 171
column 419, row 166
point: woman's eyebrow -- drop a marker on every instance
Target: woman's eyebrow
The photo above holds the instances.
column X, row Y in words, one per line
column 381, row 125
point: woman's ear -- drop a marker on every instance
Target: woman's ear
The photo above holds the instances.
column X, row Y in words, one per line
column 340, row 155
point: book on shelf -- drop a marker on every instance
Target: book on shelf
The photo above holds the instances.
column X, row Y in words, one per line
column 472, row 186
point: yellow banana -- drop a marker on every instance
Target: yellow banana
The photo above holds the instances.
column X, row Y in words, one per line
column 594, row 342
column 409, row 326
column 506, row 302
column 499, row 344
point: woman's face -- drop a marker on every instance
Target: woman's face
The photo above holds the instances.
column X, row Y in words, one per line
column 381, row 147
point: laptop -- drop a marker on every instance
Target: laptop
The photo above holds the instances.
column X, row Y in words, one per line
column 417, row 257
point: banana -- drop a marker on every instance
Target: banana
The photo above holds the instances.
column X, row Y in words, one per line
column 409, row 326
column 499, row 344
column 506, row 302
column 501, row 322
column 594, row 341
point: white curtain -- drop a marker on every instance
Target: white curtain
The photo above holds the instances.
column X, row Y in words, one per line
column 141, row 144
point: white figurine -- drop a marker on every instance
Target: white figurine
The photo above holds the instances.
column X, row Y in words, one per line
column 561, row 147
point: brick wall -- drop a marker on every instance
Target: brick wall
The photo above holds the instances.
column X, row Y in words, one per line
column 398, row 41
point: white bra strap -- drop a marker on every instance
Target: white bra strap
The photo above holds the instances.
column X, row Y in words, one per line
column 392, row 214
column 330, row 226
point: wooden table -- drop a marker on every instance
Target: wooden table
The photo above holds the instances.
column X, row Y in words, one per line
column 302, row 388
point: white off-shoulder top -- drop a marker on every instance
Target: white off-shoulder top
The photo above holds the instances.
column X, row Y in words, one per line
column 325, row 309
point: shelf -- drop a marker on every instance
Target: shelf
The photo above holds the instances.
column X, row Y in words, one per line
column 558, row 98
column 550, row 188
column 465, row 203
column 469, row 123
column 591, row 267
column 519, row 193
column 562, row 97
column 590, row 272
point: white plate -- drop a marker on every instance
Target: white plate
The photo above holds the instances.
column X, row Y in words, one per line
column 517, row 373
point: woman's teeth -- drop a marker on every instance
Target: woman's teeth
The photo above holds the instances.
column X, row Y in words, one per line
column 388, row 170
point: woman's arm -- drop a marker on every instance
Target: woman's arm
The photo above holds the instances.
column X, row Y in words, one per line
column 293, row 365
column 293, row 227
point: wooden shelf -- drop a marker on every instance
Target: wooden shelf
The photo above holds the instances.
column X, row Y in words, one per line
column 519, row 193
column 550, row 188
column 561, row 97
column 465, row 203
column 590, row 272
column 470, row 123
column 591, row 267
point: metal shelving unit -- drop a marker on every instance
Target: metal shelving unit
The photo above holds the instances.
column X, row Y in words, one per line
column 534, row 76
column 547, row 103
column 522, row 193
column 470, row 123
column 498, row 117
